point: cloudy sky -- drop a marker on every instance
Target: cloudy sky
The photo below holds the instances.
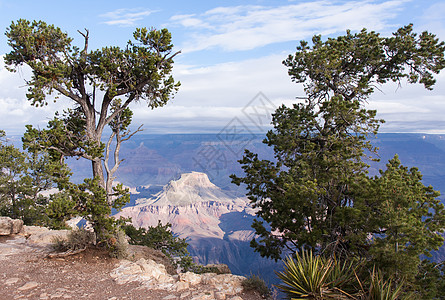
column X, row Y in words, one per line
column 230, row 62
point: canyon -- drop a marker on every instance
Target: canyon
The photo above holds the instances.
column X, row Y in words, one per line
column 215, row 223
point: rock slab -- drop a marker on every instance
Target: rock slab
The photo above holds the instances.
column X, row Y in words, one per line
column 10, row 226
column 154, row 275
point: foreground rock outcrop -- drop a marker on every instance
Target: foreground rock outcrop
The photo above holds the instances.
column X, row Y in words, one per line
column 26, row 272
column 10, row 226
column 198, row 286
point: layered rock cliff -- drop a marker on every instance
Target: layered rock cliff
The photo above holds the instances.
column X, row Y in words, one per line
column 215, row 223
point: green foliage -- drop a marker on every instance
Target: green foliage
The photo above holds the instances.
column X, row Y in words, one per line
column 384, row 289
column 430, row 281
column 61, row 208
column 318, row 155
column 64, row 136
column 315, row 277
column 199, row 269
column 319, row 179
column 15, row 183
column 162, row 238
column 140, row 71
column 23, row 178
column 406, row 218
column 91, row 203
column 255, row 283
column 25, row 175
column 123, row 117
column 320, row 144
column 353, row 64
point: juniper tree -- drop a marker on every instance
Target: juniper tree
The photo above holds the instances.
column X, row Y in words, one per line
column 24, row 177
column 101, row 84
column 306, row 198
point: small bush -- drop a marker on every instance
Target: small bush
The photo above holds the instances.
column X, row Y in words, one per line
column 162, row 238
column 118, row 245
column 311, row 276
column 59, row 210
column 76, row 239
column 255, row 283
column 199, row 269
column 385, row 289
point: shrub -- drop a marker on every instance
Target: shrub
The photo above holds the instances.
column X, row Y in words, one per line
column 76, row 239
column 384, row 289
column 315, row 277
column 118, row 245
column 255, row 283
column 162, row 238
column 59, row 210
column 200, row 269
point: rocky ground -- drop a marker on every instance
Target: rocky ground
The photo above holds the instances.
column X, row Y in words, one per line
column 27, row 273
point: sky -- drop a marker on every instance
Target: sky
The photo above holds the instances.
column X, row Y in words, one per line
column 230, row 65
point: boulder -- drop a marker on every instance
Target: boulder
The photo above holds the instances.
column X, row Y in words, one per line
column 136, row 252
column 17, row 226
column 30, row 230
column 182, row 285
column 190, row 278
column 152, row 269
column 148, row 271
column 44, row 236
column 10, row 226
column 228, row 283
column 5, row 225
column 153, row 275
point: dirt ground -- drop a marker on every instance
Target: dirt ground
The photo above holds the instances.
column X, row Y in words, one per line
column 26, row 273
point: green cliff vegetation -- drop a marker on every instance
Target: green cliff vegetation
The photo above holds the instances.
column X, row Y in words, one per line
column 101, row 84
column 317, row 194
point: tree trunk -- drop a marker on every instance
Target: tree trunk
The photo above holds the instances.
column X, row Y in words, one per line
column 94, row 134
column 98, row 171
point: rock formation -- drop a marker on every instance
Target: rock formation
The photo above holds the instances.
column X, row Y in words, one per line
column 10, row 226
column 28, row 272
column 155, row 276
column 217, row 225
column 192, row 204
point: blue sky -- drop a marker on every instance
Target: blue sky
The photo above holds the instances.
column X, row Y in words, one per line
column 231, row 52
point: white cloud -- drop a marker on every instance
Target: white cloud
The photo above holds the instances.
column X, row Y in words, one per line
column 248, row 27
column 211, row 97
column 15, row 110
column 189, row 21
column 411, row 108
column 125, row 16
column 234, row 84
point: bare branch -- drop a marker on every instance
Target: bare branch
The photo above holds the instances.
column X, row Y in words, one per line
column 107, row 152
column 85, row 36
column 133, row 133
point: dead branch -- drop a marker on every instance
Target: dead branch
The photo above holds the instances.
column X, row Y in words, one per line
column 66, row 253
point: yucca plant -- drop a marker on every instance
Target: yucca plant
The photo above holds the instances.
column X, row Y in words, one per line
column 380, row 289
column 343, row 276
column 314, row 277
